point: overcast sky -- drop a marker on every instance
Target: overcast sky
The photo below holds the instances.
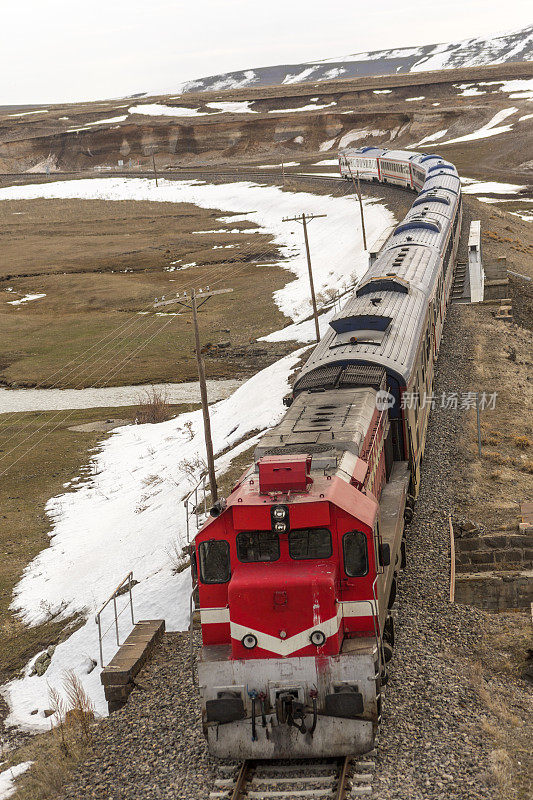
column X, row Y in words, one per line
column 66, row 50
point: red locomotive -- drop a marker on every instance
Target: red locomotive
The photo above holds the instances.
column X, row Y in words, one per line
column 297, row 568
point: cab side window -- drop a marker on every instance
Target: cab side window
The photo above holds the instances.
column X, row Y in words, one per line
column 214, row 561
column 355, row 551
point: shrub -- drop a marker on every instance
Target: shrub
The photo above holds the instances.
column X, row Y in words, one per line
column 153, row 407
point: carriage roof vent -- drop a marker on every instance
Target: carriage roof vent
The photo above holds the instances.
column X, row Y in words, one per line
column 430, row 157
column 387, row 283
column 360, row 322
column 416, row 223
column 430, row 196
column 441, row 166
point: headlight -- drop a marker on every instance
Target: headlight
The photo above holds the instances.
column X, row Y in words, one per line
column 280, row 527
column 318, row 638
column 249, row 641
column 279, row 512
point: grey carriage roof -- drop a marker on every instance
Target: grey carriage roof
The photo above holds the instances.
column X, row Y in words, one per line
column 409, row 267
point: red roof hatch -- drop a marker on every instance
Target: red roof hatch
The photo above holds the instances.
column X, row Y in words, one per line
column 284, row 474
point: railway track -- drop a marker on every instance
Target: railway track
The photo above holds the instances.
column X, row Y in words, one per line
column 184, row 174
column 337, row 779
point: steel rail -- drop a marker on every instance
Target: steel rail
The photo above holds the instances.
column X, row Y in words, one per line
column 245, row 783
column 242, row 778
column 343, row 786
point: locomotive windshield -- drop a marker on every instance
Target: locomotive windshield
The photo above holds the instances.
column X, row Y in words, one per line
column 257, row 546
column 354, row 546
column 214, row 561
column 310, row 543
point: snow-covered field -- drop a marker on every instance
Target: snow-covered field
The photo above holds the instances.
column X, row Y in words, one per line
column 336, row 241
column 129, row 514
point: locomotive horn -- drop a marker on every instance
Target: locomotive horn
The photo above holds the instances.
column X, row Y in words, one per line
column 217, row 508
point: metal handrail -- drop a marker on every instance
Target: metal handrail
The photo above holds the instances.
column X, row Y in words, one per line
column 201, row 483
column 191, row 631
column 376, row 620
column 113, row 598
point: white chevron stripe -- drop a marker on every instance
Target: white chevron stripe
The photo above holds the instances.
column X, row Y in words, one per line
column 284, row 647
column 358, row 608
column 214, row 615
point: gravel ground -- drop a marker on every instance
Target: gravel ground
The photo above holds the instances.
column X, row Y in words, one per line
column 153, row 747
column 431, row 743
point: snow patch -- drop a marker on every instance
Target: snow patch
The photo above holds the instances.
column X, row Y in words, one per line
column 355, row 136
column 490, row 129
column 431, row 138
column 26, row 299
column 111, row 119
column 233, row 108
column 157, row 110
column 312, row 107
column 8, row 777
column 300, row 76
column 326, row 145
column 485, row 187
column 27, row 113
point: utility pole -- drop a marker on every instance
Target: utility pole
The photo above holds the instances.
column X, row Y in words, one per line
column 304, row 220
column 152, row 148
column 357, row 188
column 155, row 171
column 191, row 303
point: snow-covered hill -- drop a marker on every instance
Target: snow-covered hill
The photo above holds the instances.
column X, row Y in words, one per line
column 514, row 46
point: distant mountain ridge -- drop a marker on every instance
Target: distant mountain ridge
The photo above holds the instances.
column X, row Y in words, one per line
column 514, row 46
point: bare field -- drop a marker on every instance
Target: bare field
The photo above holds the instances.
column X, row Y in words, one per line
column 102, row 263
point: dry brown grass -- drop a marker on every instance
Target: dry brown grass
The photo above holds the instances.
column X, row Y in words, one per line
column 496, row 677
column 522, row 442
column 154, row 406
column 57, row 753
column 495, row 457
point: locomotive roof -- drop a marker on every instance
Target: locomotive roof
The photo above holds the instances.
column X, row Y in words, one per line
column 325, row 422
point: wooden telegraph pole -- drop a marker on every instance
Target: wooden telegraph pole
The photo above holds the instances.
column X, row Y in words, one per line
column 155, row 171
column 191, row 303
column 152, row 148
column 304, row 220
column 357, row 187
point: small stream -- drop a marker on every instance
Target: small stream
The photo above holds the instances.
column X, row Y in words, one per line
column 109, row 396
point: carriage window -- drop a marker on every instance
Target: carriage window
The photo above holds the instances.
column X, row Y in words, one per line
column 354, row 546
column 257, row 546
column 214, row 561
column 310, row 543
